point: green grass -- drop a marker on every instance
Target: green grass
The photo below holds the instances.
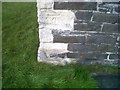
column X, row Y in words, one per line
column 20, row 66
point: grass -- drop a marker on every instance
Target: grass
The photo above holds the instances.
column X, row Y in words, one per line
column 20, row 66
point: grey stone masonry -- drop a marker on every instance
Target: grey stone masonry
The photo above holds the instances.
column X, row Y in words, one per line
column 75, row 6
column 105, row 17
column 78, row 32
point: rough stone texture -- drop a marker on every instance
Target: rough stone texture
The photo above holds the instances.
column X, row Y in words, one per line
column 79, row 32
column 115, row 56
column 56, row 19
column 109, row 7
column 103, row 17
column 110, row 28
column 90, row 26
column 101, row 39
column 75, row 6
column 82, row 48
column 69, row 39
column 84, row 15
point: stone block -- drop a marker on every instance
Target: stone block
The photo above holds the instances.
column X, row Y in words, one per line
column 109, row 7
column 113, row 49
column 101, row 56
column 42, row 4
column 90, row 26
column 56, row 19
column 107, row 48
column 42, row 55
column 101, row 39
column 82, row 48
column 110, row 28
column 114, row 56
column 104, row 17
column 75, row 5
column 69, row 39
column 93, row 56
column 54, row 47
column 45, row 36
column 84, row 15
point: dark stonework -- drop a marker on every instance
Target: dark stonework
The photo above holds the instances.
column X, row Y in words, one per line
column 110, row 28
column 58, row 55
column 103, row 17
column 94, row 56
column 82, row 48
column 96, row 33
column 107, row 48
column 92, row 48
column 111, row 7
column 75, row 5
column 84, row 15
column 90, row 26
column 115, row 56
column 99, row 39
column 69, row 39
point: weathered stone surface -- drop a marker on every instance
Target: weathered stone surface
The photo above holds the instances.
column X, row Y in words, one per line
column 54, row 47
column 56, row 19
column 45, row 35
column 84, row 15
column 42, row 4
column 99, row 39
column 82, row 48
column 109, row 7
column 94, row 56
column 75, row 5
column 92, row 48
column 83, row 35
column 90, row 26
column 69, row 39
column 115, row 56
column 101, row 56
column 110, row 28
column 42, row 55
column 107, row 48
column 104, row 17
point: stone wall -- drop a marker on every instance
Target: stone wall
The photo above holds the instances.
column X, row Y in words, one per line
column 78, row 32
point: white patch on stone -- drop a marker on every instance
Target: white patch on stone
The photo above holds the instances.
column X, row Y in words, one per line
column 57, row 19
column 45, row 36
column 45, row 4
column 57, row 47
